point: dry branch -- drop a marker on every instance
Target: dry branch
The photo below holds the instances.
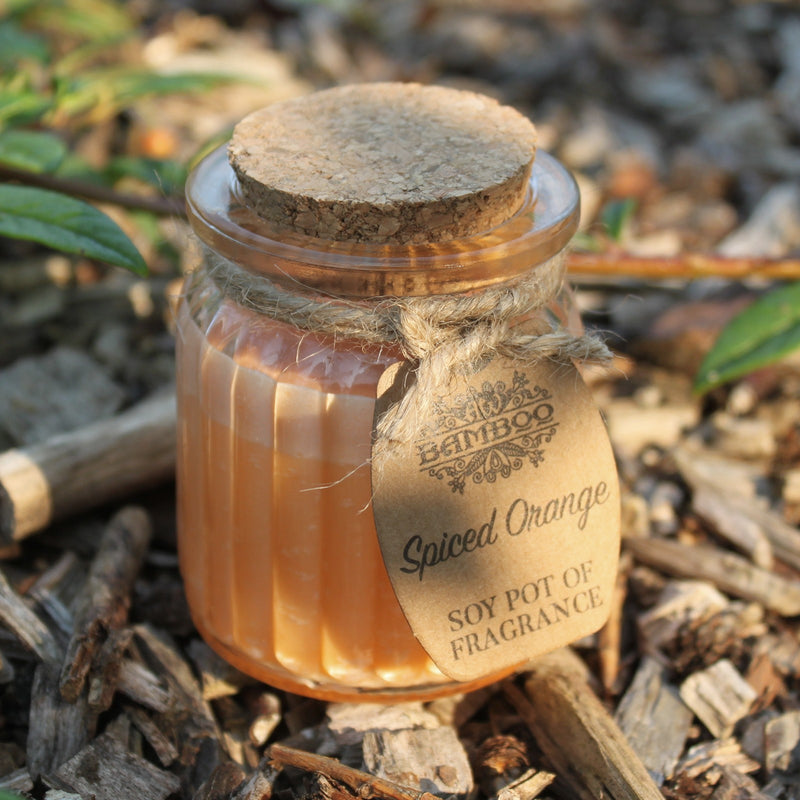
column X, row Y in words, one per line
column 102, row 606
column 688, row 266
column 74, row 471
column 728, row 572
column 364, row 785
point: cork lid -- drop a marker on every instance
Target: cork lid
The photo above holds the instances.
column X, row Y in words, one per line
column 384, row 162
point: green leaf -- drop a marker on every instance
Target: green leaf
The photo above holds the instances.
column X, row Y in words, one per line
column 17, row 45
column 616, row 217
column 9, row 7
column 20, row 107
column 64, row 223
column 762, row 334
column 90, row 20
column 32, row 151
column 104, row 92
column 9, row 796
column 76, row 167
column 167, row 175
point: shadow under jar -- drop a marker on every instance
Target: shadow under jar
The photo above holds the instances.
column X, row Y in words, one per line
column 277, row 541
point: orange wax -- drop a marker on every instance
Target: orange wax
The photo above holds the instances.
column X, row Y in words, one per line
column 278, row 546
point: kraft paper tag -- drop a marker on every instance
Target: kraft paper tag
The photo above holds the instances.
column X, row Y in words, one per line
column 499, row 525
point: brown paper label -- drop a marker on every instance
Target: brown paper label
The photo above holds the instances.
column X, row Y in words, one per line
column 499, row 525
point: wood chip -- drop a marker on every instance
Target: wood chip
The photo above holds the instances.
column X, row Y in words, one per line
column 728, row 572
column 188, row 721
column 719, row 696
column 580, row 740
column 782, row 743
column 655, row 719
column 266, row 708
column 529, row 785
column 420, row 759
column 734, row 785
column 737, row 528
column 26, row 625
column 104, row 770
column 224, row 780
column 348, row 722
column 679, row 603
column 142, row 685
column 710, row 758
column 19, row 780
column 57, row 729
column 156, row 738
column 234, row 726
column 259, row 785
column 219, row 678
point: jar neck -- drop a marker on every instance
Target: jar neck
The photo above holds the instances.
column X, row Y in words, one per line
column 539, row 230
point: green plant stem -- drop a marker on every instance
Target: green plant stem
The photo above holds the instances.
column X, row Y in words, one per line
column 163, row 206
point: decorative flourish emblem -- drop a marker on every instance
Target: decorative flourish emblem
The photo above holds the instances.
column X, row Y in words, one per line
column 487, row 433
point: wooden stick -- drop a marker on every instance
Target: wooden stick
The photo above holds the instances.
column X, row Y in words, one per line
column 728, row 572
column 102, row 606
column 85, row 468
column 583, row 744
column 609, row 637
column 364, row 785
column 687, row 266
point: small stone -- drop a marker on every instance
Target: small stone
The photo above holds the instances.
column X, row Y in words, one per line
column 664, row 503
column 752, row 734
column 633, row 428
column 791, row 486
column 748, row 439
column 773, row 229
column 742, row 400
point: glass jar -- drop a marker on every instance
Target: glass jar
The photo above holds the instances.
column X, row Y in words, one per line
column 277, row 542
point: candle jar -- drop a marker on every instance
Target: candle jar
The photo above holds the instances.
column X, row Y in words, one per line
column 277, row 542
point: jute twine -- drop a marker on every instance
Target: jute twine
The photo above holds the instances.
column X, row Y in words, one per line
column 442, row 336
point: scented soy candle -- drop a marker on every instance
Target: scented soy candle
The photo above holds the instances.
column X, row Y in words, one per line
column 391, row 480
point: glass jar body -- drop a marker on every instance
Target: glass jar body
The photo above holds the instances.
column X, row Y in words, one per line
column 277, row 541
column 276, row 537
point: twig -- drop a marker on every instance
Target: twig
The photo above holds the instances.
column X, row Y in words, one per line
column 78, row 470
column 364, row 785
column 609, row 638
column 164, row 206
column 687, row 266
column 102, row 607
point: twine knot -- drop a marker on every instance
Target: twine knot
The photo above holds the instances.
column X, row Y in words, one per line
column 442, row 336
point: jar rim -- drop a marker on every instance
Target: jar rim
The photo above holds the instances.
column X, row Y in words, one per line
column 541, row 228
